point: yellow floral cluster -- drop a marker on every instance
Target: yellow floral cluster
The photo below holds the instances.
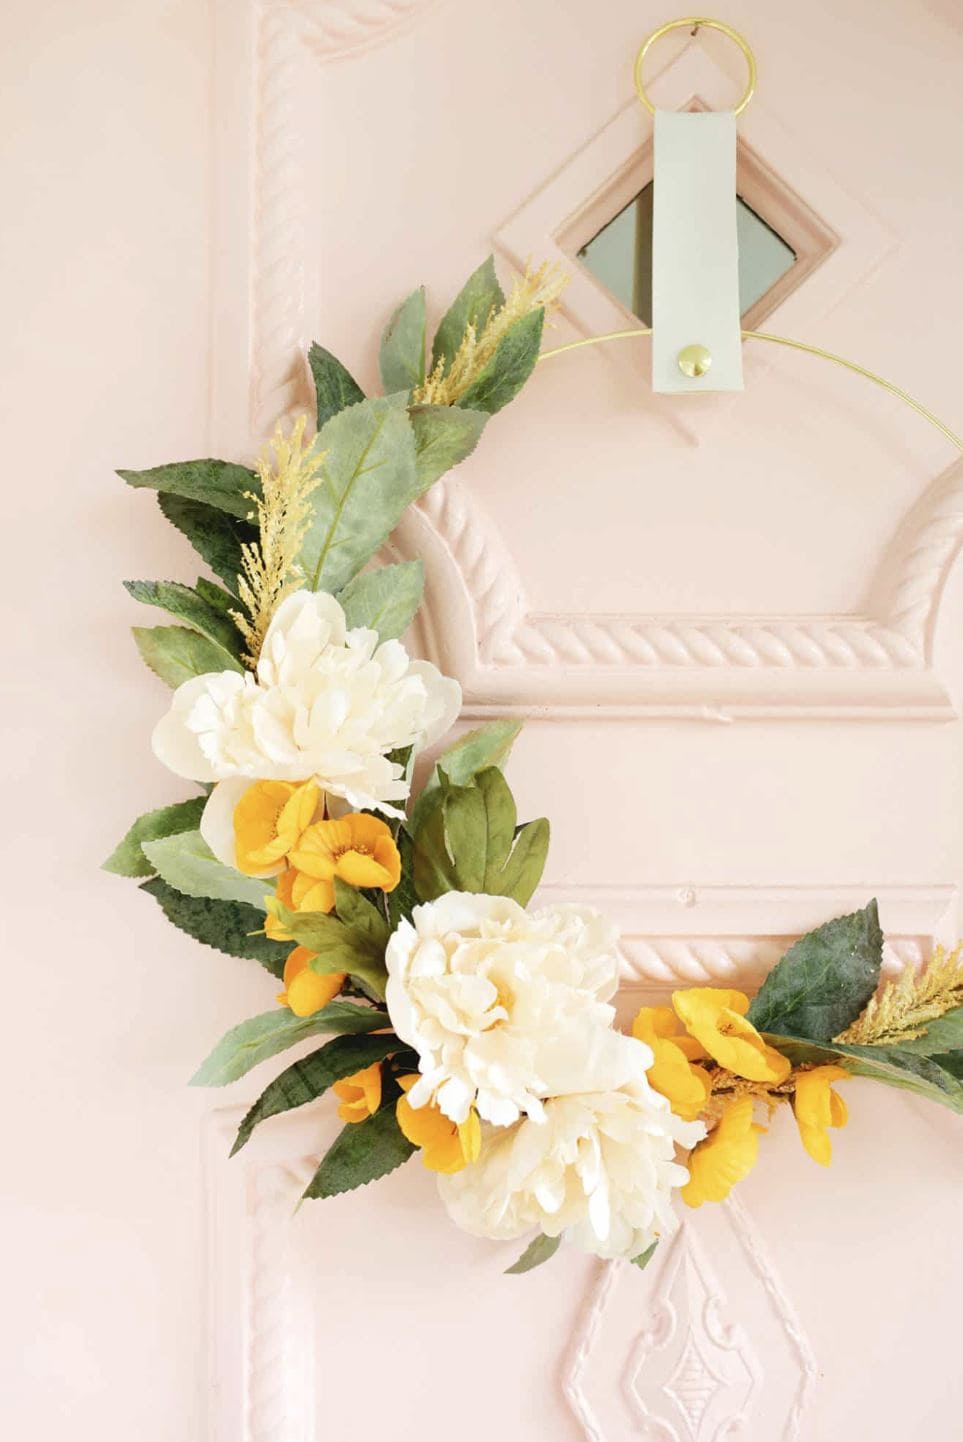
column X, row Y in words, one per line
column 711, row 1062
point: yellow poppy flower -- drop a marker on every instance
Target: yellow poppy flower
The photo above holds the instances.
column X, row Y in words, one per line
column 306, row 991
column 717, row 1020
column 817, row 1108
column 360, row 1094
column 296, row 892
column 269, row 819
column 726, row 1156
column 358, row 848
column 686, row 1086
column 446, row 1146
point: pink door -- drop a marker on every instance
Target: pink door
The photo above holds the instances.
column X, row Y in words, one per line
column 728, row 622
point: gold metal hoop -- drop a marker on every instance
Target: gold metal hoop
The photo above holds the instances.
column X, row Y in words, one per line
column 694, row 23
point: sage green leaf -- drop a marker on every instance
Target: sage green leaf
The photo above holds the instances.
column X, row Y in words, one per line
column 216, row 597
column 337, row 947
column 215, row 483
column 306, row 1080
column 402, row 358
column 227, row 926
column 334, row 386
column 128, row 859
column 921, row 1075
column 469, row 842
column 644, row 1258
column 176, row 654
column 189, row 606
column 824, row 980
column 540, row 1250
column 215, row 536
column 386, row 599
column 263, row 1036
column 488, row 745
column 369, row 478
column 945, row 1034
column 362, row 1153
column 478, row 297
column 444, row 436
column 510, row 366
column 368, row 928
column 187, row 863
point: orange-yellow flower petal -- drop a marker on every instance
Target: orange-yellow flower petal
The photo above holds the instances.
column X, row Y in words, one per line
column 358, row 848
column 306, row 991
column 726, row 1156
column 296, row 892
column 717, row 1020
column 818, row 1107
column 446, row 1146
column 686, row 1086
column 269, row 819
column 360, row 1094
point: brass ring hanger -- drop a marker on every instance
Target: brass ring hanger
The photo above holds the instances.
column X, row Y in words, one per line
column 695, row 23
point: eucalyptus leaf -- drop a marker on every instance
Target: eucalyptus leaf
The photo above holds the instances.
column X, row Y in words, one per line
column 215, row 536
column 334, row 386
column 824, row 981
column 177, row 654
column 263, row 1036
column 386, row 599
column 309, row 1079
column 469, row 842
column 128, row 859
column 402, row 358
column 540, row 1249
column 189, row 606
column 509, row 368
column 361, row 1153
column 478, row 297
column 644, row 1258
column 488, row 745
column 228, row 926
column 444, row 436
column 187, row 863
column 216, row 483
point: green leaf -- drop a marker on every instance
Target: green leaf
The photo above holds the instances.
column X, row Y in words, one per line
column 215, row 536
column 540, row 1250
column 176, row 654
column 216, row 597
column 510, row 366
column 215, row 483
column 921, row 1075
column 189, row 606
column 469, row 842
column 478, row 297
column 644, row 1258
column 403, row 900
column 950, row 1062
column 362, row 1153
column 260, row 1037
column 369, row 478
column 824, row 980
column 485, row 746
column 335, row 388
column 187, row 863
column 128, row 859
column 386, row 599
column 945, row 1034
column 227, row 926
column 444, row 436
column 402, row 358
column 367, row 926
column 306, row 1080
column 337, row 947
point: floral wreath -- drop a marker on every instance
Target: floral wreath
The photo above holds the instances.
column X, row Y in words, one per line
column 463, row 1025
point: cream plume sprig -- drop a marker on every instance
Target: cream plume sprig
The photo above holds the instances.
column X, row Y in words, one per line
column 906, row 1006
column 289, row 469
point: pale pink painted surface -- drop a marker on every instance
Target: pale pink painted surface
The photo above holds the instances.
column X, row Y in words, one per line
column 734, row 629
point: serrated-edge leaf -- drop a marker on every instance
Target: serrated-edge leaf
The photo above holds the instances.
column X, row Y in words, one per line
column 509, row 368
column 539, row 1250
column 444, row 437
column 177, row 654
column 363, row 1152
column 216, row 483
column 186, row 862
column 127, row 857
column 402, row 356
column 260, row 1037
column 894, row 1067
column 385, row 600
column 335, row 387
column 474, row 303
column 190, row 607
column 216, row 536
column 230, row 927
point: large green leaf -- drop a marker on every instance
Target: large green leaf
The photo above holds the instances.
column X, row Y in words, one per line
column 227, row 926
column 306, row 1080
column 539, row 1250
column 921, row 1075
column 510, row 366
column 444, row 436
column 488, row 745
column 361, row 1153
column 942, row 1035
column 335, row 388
column 215, row 535
column 469, row 841
column 369, row 478
column 260, row 1037
column 824, row 980
column 189, row 606
column 385, row 599
column 177, row 654
column 216, row 483
column 402, row 357
column 478, row 297
column 128, row 859
column 186, row 862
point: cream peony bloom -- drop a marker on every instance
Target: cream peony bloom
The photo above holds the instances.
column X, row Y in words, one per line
column 502, row 1005
column 326, row 704
column 600, row 1167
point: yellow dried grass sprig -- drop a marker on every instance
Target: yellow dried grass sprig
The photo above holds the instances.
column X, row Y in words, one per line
column 904, row 1007
column 538, row 288
column 289, row 469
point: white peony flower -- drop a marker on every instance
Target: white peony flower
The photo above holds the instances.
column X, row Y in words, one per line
column 502, row 1005
column 600, row 1167
column 326, row 704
